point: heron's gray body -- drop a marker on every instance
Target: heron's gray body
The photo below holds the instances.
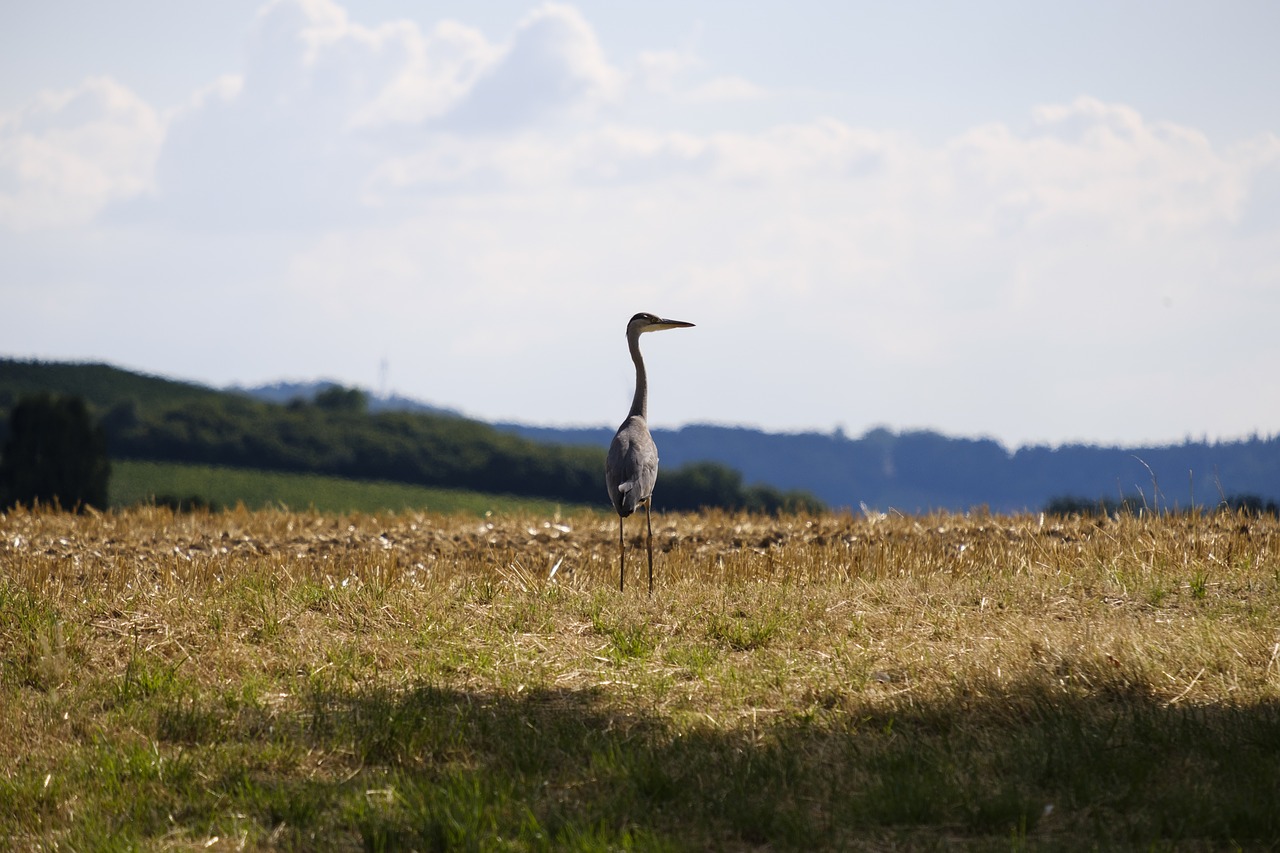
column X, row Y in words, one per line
column 631, row 468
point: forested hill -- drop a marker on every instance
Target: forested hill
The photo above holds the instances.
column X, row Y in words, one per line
column 334, row 432
column 913, row 471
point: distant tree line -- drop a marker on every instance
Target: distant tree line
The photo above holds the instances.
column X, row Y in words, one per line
column 334, row 433
column 710, row 484
column 1070, row 505
column 920, row 470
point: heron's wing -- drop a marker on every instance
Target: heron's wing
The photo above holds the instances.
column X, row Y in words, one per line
column 631, row 468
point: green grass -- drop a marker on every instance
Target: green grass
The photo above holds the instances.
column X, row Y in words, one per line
column 143, row 482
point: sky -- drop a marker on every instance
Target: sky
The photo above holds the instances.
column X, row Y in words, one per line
column 1039, row 223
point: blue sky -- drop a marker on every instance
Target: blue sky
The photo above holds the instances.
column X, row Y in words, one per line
column 1037, row 223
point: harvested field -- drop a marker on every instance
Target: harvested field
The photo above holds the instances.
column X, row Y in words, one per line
column 273, row 680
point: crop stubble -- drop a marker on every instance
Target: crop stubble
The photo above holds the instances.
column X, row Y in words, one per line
column 909, row 680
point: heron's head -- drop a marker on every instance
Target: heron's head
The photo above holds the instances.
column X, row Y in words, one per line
column 643, row 322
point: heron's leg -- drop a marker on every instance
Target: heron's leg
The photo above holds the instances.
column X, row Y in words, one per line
column 649, row 541
column 622, row 557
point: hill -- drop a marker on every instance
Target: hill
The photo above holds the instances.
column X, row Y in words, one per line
column 916, row 471
column 921, row 470
column 288, row 392
column 149, row 418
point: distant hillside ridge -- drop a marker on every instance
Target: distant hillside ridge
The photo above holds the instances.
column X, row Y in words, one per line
column 287, row 392
column 921, row 470
column 100, row 385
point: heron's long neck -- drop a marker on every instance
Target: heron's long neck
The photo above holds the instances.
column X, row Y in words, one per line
column 640, row 402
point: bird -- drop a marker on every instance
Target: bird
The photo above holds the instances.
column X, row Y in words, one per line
column 631, row 468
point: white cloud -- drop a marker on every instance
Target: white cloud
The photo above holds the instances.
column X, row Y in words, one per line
column 990, row 183
column 553, row 67
column 660, row 71
column 328, row 114
column 328, row 108
column 291, row 142
column 667, row 73
column 440, row 69
column 726, row 88
column 67, row 154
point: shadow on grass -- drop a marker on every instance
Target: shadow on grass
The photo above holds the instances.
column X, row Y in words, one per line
column 434, row 768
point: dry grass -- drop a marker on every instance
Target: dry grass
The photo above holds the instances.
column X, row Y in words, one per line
column 283, row 680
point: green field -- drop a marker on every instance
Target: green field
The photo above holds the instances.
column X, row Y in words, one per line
column 145, row 482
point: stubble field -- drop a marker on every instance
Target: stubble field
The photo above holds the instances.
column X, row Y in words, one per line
column 275, row 680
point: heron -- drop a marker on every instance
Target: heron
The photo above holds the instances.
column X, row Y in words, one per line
column 631, row 468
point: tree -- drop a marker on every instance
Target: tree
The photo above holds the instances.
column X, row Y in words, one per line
column 698, row 485
column 335, row 398
column 55, row 454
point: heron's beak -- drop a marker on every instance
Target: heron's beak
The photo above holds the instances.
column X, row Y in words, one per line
column 667, row 324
